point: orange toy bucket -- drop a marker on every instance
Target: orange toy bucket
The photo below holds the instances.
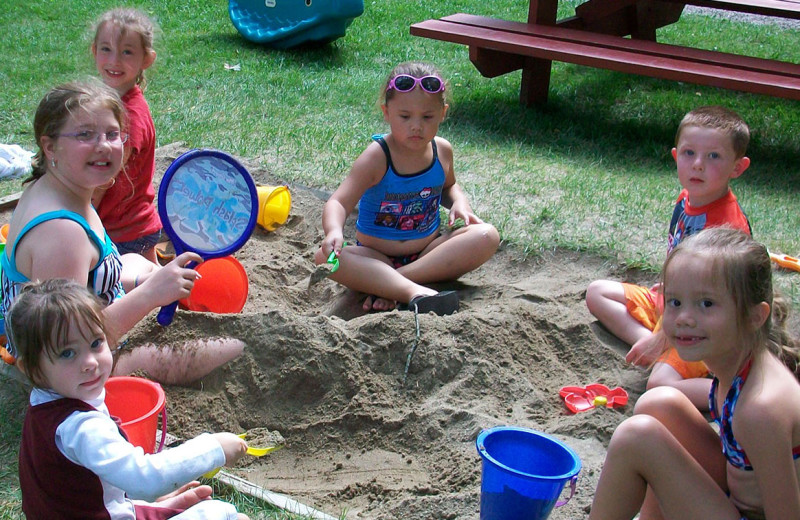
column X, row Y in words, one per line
column 222, row 287
column 138, row 402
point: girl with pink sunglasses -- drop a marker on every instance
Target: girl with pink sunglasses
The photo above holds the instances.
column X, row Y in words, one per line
column 399, row 183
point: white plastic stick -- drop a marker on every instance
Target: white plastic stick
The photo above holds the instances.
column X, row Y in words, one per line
column 276, row 499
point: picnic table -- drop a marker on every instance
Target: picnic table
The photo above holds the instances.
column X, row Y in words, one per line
column 618, row 35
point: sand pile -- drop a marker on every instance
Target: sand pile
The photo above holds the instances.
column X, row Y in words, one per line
column 330, row 379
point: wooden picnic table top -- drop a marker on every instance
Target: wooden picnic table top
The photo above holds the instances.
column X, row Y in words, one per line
column 641, row 18
column 777, row 8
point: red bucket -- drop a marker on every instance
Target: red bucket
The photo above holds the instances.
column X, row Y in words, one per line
column 138, row 402
column 222, row 287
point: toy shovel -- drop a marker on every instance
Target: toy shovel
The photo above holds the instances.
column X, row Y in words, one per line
column 322, row 271
column 259, row 452
column 255, row 452
column 786, row 261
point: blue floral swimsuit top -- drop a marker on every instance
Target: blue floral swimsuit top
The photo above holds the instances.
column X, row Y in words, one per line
column 730, row 447
column 105, row 278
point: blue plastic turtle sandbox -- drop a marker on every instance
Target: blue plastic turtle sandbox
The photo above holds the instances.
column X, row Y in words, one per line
column 284, row 24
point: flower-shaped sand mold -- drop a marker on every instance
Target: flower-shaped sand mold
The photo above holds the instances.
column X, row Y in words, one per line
column 582, row 398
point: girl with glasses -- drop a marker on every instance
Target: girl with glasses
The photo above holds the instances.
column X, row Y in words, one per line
column 55, row 232
column 399, row 183
column 123, row 50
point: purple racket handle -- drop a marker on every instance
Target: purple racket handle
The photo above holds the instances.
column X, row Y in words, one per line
column 167, row 312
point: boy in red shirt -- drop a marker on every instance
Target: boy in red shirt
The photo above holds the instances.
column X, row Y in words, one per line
column 710, row 148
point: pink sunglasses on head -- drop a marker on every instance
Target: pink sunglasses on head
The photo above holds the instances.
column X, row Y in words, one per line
column 407, row 83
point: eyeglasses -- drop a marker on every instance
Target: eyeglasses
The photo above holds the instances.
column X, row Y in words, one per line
column 406, row 83
column 93, row 137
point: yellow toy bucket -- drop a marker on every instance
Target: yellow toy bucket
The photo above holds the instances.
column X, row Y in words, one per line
column 274, row 203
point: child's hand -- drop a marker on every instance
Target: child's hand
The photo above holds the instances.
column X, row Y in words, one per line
column 186, row 496
column 466, row 217
column 332, row 242
column 234, row 447
column 647, row 350
column 172, row 282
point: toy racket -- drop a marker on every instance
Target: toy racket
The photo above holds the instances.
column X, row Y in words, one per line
column 208, row 204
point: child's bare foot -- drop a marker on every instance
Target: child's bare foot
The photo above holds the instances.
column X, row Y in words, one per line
column 374, row 303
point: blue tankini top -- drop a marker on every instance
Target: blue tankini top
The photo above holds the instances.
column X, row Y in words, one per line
column 402, row 207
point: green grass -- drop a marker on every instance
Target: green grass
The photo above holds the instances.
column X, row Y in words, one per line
column 590, row 171
column 12, row 409
column 306, row 114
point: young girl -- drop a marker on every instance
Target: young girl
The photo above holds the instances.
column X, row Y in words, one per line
column 399, row 181
column 123, row 50
column 667, row 458
column 74, row 462
column 56, row 233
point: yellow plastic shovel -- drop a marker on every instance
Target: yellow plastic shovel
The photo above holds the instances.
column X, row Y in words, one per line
column 255, row 452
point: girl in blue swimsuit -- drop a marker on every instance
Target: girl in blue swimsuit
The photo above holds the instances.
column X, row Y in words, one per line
column 398, row 182
column 667, row 460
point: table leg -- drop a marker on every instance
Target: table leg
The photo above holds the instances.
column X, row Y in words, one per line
column 535, row 81
column 652, row 15
column 536, row 72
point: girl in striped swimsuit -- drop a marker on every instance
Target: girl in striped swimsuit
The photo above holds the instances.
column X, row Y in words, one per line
column 55, row 232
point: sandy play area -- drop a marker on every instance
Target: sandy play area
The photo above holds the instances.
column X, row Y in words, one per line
column 329, row 379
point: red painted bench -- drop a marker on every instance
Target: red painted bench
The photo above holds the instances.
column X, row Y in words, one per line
column 499, row 46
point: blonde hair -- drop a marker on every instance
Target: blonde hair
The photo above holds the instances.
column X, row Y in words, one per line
column 41, row 317
column 130, row 20
column 59, row 105
column 721, row 119
column 744, row 266
column 416, row 69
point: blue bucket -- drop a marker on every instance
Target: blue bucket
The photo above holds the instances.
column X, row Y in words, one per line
column 523, row 473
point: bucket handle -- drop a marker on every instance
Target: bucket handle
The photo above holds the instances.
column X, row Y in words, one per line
column 572, row 484
column 164, row 430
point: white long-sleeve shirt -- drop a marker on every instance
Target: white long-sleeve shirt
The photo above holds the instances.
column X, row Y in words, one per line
column 92, row 440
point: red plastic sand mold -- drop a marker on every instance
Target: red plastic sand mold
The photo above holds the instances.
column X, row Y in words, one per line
column 582, row 398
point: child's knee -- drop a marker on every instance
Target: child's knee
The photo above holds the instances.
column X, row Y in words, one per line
column 663, row 375
column 492, row 236
column 320, row 257
column 593, row 294
column 487, row 236
column 597, row 295
column 660, row 400
column 635, row 430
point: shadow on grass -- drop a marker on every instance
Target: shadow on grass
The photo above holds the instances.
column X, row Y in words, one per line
column 594, row 115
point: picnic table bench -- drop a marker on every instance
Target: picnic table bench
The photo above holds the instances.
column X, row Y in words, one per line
column 597, row 37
